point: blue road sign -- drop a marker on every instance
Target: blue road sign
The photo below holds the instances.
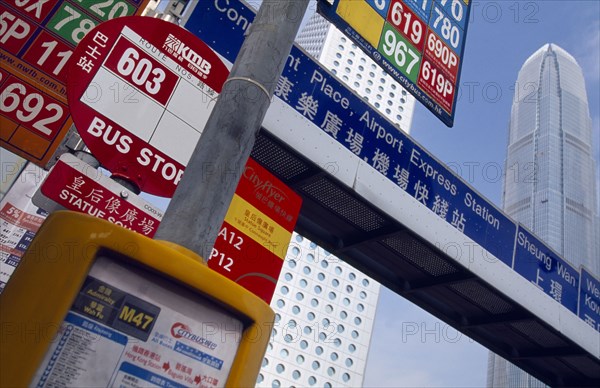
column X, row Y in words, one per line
column 546, row 269
column 589, row 299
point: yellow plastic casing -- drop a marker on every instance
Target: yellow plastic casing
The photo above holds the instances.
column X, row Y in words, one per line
column 52, row 271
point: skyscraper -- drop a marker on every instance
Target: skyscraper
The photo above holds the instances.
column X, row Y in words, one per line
column 549, row 184
column 325, row 309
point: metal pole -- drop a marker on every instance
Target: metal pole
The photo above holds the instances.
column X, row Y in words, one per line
column 196, row 212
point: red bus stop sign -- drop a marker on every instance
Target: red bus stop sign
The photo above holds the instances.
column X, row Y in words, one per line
column 140, row 91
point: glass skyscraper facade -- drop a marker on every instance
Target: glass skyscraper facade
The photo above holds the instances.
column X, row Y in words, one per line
column 550, row 184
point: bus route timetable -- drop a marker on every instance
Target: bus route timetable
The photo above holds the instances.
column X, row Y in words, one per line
column 420, row 43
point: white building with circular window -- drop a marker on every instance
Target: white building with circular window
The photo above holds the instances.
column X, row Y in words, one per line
column 324, row 317
column 343, row 58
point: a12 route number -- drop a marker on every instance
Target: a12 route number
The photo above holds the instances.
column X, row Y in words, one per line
column 24, row 104
column 230, row 238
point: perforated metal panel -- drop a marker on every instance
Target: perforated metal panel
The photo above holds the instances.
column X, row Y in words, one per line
column 539, row 334
column 420, row 255
column 482, row 297
column 276, row 159
column 334, row 198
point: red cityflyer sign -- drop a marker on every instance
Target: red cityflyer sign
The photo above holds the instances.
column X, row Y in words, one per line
column 253, row 241
column 78, row 187
column 140, row 91
column 37, row 40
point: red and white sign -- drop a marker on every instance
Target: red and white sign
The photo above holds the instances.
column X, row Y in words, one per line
column 254, row 239
column 80, row 187
column 140, row 92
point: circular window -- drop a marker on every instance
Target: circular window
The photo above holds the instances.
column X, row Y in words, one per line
column 352, row 348
column 276, row 384
column 318, row 289
column 334, row 356
column 322, row 336
column 280, row 368
column 299, row 359
column 327, row 385
column 296, row 374
column 314, row 302
column 337, row 342
column 299, row 238
column 316, row 365
column 312, row 380
column 349, row 289
column 295, row 251
column 338, row 55
column 280, row 303
column 324, row 264
column 330, row 371
column 292, row 263
column 346, row 377
column 288, row 276
column 329, row 309
column 306, row 270
column 332, row 295
column 310, row 257
column 351, row 276
column 284, row 290
column 265, row 362
column 335, row 282
column 319, row 350
column 363, row 295
column 303, row 283
column 338, row 270
column 325, row 322
column 360, row 307
column 307, row 329
column 340, row 328
column 346, row 302
column 261, row 378
column 303, row 344
column 343, row 314
column 349, row 362
column 296, row 310
column 288, row 338
column 299, row 296
column 292, row 323
column 311, row 316
column 321, row 276
column 354, row 334
column 365, row 282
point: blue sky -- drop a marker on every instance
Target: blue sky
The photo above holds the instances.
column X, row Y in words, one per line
column 410, row 347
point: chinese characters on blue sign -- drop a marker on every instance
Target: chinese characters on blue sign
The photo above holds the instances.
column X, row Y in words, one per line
column 323, row 100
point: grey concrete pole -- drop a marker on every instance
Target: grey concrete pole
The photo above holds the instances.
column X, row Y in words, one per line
column 196, row 212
